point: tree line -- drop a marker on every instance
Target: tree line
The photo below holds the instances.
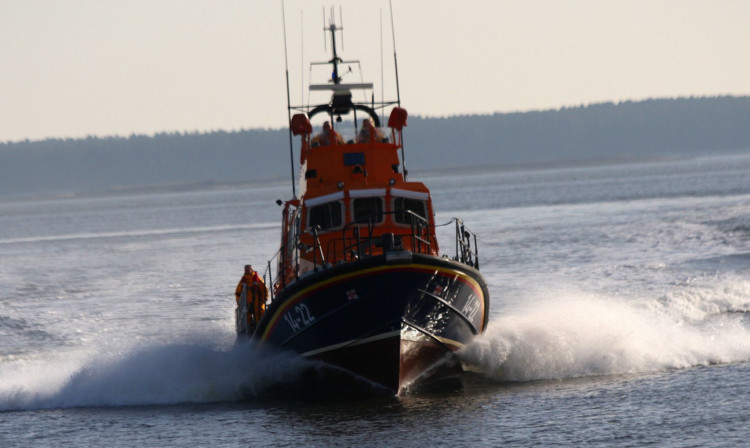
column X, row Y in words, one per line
column 597, row 132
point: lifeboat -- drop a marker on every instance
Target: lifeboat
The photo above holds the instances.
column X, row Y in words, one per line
column 360, row 281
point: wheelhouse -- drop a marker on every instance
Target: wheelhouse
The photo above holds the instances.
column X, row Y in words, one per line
column 354, row 203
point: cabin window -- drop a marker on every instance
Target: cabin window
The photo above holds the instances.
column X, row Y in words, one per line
column 414, row 205
column 367, row 210
column 327, row 216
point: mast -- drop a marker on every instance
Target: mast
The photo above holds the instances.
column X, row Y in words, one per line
column 398, row 90
column 395, row 59
column 335, row 78
column 288, row 104
column 341, row 102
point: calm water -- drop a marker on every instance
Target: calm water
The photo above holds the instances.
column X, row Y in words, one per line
column 620, row 317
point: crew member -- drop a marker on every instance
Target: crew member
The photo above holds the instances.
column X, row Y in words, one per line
column 369, row 132
column 256, row 293
column 326, row 136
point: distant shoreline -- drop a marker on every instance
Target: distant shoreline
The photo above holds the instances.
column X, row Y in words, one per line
column 605, row 133
column 416, row 175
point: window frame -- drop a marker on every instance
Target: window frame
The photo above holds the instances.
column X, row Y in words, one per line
column 407, row 195
column 380, row 213
column 372, row 193
column 329, row 199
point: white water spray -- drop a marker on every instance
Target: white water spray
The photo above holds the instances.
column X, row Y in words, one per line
column 190, row 372
column 577, row 334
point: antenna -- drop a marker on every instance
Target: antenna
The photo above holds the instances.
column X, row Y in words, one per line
column 309, row 77
column 398, row 91
column 395, row 59
column 336, row 60
column 302, row 57
column 341, row 20
column 382, row 77
column 288, row 102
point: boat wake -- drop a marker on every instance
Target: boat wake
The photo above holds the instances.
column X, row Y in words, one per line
column 579, row 334
column 156, row 374
column 134, row 233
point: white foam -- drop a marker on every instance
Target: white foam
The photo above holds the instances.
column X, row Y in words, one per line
column 576, row 334
column 190, row 372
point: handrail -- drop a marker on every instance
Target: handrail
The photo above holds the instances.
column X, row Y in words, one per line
column 464, row 251
column 317, row 247
column 418, row 232
column 240, row 316
column 353, row 244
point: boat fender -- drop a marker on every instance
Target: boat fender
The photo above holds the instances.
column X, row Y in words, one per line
column 397, row 120
column 301, row 125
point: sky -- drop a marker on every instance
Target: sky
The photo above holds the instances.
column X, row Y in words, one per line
column 77, row 68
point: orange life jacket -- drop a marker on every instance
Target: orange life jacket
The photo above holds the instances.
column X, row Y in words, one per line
column 256, row 293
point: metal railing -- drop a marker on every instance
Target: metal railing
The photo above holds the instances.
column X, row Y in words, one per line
column 465, row 252
column 363, row 238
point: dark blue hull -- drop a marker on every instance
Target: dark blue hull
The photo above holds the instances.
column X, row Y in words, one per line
column 387, row 318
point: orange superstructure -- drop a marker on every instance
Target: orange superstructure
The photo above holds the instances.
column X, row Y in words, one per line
column 354, row 202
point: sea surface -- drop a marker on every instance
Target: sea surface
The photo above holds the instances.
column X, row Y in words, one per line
column 620, row 317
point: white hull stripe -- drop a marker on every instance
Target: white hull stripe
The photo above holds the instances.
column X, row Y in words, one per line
column 378, row 337
column 353, row 343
